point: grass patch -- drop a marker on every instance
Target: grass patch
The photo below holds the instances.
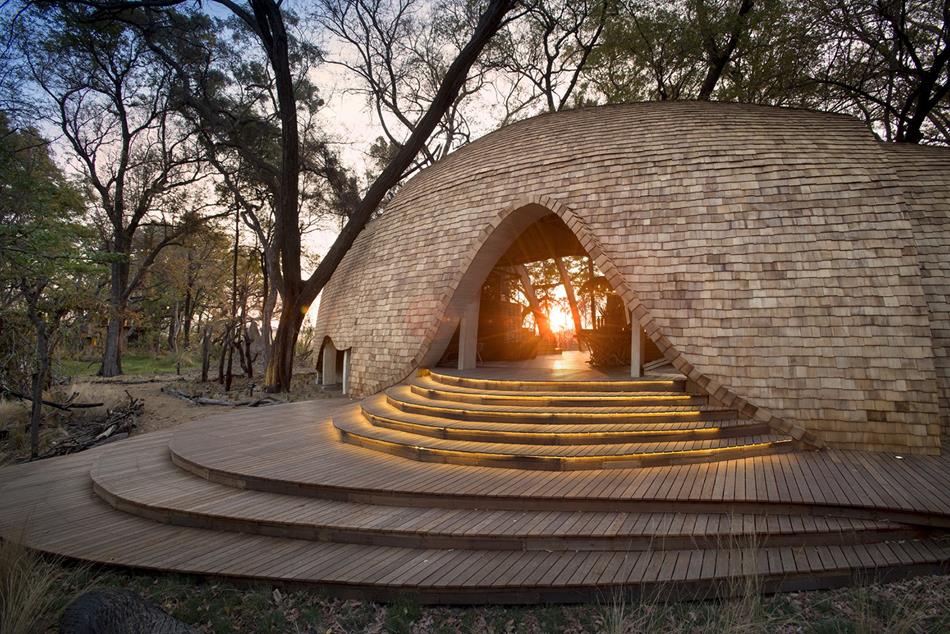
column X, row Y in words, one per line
column 33, row 590
column 132, row 363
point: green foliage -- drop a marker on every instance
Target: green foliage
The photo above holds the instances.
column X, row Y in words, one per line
column 656, row 51
column 48, row 257
column 888, row 63
column 41, row 229
column 133, row 364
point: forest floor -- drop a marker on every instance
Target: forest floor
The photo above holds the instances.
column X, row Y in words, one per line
column 152, row 380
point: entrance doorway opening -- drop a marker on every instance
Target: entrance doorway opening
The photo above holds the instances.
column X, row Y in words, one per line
column 334, row 366
column 545, row 296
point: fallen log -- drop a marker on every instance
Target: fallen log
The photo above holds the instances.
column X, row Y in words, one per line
column 64, row 407
column 204, row 400
column 177, row 394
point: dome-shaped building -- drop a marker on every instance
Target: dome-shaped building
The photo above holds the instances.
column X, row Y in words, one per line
column 786, row 262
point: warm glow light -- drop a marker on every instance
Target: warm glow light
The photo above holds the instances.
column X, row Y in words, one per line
column 465, row 381
column 560, row 319
column 578, row 462
column 466, row 397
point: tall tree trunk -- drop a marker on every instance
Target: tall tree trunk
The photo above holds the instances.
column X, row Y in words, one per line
column 298, row 294
column 225, row 342
column 267, row 311
column 189, row 308
column 112, row 356
column 173, row 328
column 280, row 368
column 205, row 352
column 544, row 323
column 40, row 372
column 229, row 370
column 244, row 338
column 229, row 339
column 571, row 298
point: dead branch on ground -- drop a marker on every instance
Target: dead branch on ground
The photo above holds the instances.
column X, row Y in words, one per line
column 204, row 400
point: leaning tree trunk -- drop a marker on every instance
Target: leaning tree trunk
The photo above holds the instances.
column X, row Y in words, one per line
column 571, row 298
column 544, row 324
column 297, row 296
column 719, row 59
column 112, row 356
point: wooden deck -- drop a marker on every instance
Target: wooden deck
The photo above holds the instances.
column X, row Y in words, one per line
column 569, row 365
column 273, row 494
column 286, row 451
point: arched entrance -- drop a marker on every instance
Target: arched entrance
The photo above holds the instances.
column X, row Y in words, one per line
column 334, row 366
column 534, row 294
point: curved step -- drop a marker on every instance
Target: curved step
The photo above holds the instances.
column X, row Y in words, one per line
column 382, row 413
column 295, row 449
column 355, row 429
column 402, row 397
column 456, row 576
column 148, row 485
column 648, row 384
column 425, row 387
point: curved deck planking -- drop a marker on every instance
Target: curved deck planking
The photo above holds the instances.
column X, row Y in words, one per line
column 288, row 452
column 436, row 576
column 147, row 484
column 53, row 506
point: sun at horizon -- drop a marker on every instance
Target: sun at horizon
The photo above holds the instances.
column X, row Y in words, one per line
column 560, row 319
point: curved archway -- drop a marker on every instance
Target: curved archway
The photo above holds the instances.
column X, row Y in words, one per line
column 495, row 241
column 498, row 236
column 334, row 365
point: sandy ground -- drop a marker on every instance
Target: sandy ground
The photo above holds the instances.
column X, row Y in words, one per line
column 161, row 409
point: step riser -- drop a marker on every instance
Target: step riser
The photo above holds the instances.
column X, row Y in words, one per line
column 417, row 499
column 558, row 463
column 614, row 543
column 645, row 385
column 593, row 438
column 555, row 418
column 567, row 401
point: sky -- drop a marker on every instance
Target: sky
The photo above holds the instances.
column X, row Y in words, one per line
column 353, row 126
column 349, row 122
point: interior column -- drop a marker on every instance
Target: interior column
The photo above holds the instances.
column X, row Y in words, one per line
column 468, row 336
column 636, row 350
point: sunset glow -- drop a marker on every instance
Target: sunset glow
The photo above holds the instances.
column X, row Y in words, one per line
column 560, row 319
